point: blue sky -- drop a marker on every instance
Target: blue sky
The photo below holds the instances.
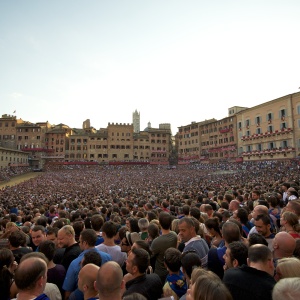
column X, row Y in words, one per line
column 174, row 61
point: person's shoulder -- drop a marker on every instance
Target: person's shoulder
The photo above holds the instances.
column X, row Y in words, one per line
column 52, row 291
column 100, row 246
column 155, row 241
column 199, row 242
column 75, row 263
column 41, row 297
column 104, row 255
column 172, row 232
column 22, row 250
column 232, row 272
column 212, row 251
column 60, row 267
column 171, row 235
column 74, row 247
column 154, row 278
column 153, row 275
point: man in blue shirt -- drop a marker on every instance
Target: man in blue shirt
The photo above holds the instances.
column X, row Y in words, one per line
column 87, row 241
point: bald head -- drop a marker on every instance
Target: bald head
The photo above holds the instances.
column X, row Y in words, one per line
column 284, row 245
column 87, row 276
column 66, row 236
column 259, row 210
column 29, row 272
column 109, row 280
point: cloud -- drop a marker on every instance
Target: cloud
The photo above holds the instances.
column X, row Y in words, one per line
column 16, row 95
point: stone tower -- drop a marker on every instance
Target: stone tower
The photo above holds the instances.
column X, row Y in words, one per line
column 136, row 121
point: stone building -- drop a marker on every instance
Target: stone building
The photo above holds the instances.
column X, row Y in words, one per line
column 13, row 158
column 270, row 130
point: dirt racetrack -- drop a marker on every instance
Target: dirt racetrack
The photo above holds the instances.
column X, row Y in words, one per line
column 18, row 179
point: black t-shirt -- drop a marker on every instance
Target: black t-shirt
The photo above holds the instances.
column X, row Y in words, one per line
column 249, row 283
column 70, row 254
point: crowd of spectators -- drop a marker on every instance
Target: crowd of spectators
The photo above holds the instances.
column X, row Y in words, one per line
column 9, row 172
column 234, row 222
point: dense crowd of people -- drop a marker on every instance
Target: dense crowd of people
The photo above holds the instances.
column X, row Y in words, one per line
column 199, row 231
column 9, row 172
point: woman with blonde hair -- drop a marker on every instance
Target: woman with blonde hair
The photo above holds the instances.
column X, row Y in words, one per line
column 197, row 272
column 290, row 222
column 287, row 267
column 10, row 227
column 207, row 286
column 174, row 225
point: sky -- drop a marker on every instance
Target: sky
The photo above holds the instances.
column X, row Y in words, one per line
column 65, row 61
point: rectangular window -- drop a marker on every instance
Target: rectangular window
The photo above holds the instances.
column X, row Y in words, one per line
column 257, row 121
column 282, row 113
column 269, row 117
